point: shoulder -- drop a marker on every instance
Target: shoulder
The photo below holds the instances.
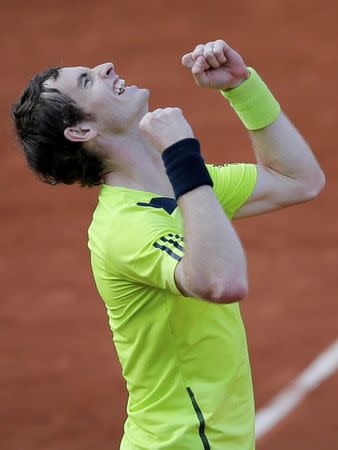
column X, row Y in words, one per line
column 131, row 221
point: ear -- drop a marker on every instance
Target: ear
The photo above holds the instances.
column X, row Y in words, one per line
column 80, row 133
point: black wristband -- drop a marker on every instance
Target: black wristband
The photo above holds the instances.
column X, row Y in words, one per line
column 185, row 166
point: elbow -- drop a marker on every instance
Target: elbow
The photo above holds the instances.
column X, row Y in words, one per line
column 224, row 290
column 311, row 189
column 318, row 185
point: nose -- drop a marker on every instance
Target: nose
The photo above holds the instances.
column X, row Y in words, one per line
column 104, row 70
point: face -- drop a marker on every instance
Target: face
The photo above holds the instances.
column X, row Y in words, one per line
column 96, row 91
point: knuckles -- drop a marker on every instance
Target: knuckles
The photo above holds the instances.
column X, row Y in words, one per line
column 208, row 52
column 208, row 49
column 155, row 116
column 219, row 53
column 144, row 123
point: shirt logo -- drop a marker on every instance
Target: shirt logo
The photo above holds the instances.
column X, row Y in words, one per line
column 172, row 244
column 168, row 204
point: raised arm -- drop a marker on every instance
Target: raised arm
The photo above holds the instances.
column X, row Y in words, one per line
column 288, row 172
column 214, row 264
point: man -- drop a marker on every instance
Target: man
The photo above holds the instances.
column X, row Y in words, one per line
column 166, row 260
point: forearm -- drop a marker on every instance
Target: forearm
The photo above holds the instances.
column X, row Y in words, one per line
column 277, row 143
column 282, row 148
column 214, row 264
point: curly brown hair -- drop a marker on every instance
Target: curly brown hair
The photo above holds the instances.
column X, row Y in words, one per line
column 40, row 121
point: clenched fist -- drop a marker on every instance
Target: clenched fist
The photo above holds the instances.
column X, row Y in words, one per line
column 216, row 65
column 164, row 127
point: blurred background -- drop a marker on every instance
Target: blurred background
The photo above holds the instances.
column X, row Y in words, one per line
column 60, row 382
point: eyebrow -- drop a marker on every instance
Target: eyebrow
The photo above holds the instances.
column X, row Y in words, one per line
column 81, row 77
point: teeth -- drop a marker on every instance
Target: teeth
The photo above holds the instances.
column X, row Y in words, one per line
column 120, row 87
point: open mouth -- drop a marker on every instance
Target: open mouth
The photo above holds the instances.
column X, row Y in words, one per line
column 119, row 87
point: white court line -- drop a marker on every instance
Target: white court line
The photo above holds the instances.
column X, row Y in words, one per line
column 281, row 405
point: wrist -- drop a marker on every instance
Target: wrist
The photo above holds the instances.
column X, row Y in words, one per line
column 253, row 102
column 239, row 82
column 185, row 166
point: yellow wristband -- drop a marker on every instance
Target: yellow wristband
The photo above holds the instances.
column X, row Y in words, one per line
column 253, row 102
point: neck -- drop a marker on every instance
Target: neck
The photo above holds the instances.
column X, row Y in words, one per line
column 134, row 163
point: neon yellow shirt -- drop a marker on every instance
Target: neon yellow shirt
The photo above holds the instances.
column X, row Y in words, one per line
column 185, row 360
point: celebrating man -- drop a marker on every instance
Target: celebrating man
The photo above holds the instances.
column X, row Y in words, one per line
column 166, row 259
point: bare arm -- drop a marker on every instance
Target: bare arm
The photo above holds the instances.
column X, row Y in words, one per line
column 281, row 147
column 214, row 264
column 288, row 172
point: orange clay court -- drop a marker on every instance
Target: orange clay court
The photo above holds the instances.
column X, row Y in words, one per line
column 61, row 384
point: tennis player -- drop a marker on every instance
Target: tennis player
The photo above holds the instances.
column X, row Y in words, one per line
column 166, row 259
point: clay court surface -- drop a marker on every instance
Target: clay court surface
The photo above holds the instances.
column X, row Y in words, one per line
column 61, row 385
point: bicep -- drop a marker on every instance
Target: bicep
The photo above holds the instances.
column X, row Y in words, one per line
column 272, row 191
